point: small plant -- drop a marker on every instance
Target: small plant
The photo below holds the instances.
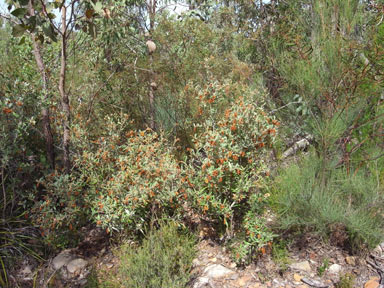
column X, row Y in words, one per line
column 346, row 281
column 256, row 240
column 163, row 261
column 280, row 255
column 324, row 266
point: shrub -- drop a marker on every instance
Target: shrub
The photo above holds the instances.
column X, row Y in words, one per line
column 349, row 203
column 121, row 181
column 227, row 164
column 163, row 261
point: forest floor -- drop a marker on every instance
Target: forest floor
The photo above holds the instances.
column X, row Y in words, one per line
column 308, row 262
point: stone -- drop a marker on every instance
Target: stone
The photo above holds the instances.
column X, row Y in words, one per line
column 195, row 262
column 232, row 265
column 372, row 284
column 301, row 266
column 26, row 270
column 244, row 280
column 109, row 265
column 76, row 265
column 201, row 282
column 217, row 271
column 350, row 260
column 335, row 268
column 213, row 260
column 297, row 277
column 62, row 259
column 378, row 250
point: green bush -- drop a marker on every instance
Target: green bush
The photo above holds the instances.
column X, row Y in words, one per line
column 163, row 261
column 121, row 182
column 350, row 203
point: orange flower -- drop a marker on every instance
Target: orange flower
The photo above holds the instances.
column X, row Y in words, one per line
column 233, row 127
column 235, row 157
column 215, row 173
column 98, row 222
column 220, row 179
column 7, row 111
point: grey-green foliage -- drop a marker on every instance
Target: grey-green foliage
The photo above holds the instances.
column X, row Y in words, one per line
column 354, row 201
column 163, row 261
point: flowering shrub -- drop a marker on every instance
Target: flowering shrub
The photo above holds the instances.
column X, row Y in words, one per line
column 228, row 152
column 227, row 159
column 133, row 182
column 120, row 181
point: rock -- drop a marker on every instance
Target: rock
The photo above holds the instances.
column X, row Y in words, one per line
column 213, row 260
column 301, row 266
column 378, row 250
column 372, row 284
column 244, row 280
column 26, row 270
column 195, row 262
column 232, row 265
column 217, row 271
column 201, row 282
column 109, row 265
column 62, row 259
column 76, row 265
column 297, row 277
column 350, row 260
column 335, row 268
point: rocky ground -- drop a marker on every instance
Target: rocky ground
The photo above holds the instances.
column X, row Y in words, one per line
column 313, row 264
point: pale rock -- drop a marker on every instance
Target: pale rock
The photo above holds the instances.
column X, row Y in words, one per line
column 217, row 271
column 213, row 260
column 378, row 250
column 195, row 262
column 76, row 265
column 335, row 268
column 297, row 277
column 244, row 280
column 201, row 282
column 301, row 266
column 373, row 283
column 62, row 259
column 26, row 270
column 350, row 260
column 232, row 265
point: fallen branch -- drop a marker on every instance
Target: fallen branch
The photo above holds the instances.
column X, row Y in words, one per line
column 299, row 145
column 314, row 283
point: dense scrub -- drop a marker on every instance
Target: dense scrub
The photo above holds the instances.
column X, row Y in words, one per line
column 97, row 130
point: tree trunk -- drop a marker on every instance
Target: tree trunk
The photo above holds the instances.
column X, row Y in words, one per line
column 151, row 92
column 45, row 110
column 63, row 94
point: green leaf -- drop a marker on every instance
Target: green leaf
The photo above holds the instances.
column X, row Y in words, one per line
column 22, row 40
column 19, row 12
column 98, row 7
column 51, row 16
column 18, row 30
column 50, row 32
column 23, row 2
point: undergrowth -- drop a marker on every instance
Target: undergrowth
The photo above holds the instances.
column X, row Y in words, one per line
column 346, row 208
column 164, row 260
